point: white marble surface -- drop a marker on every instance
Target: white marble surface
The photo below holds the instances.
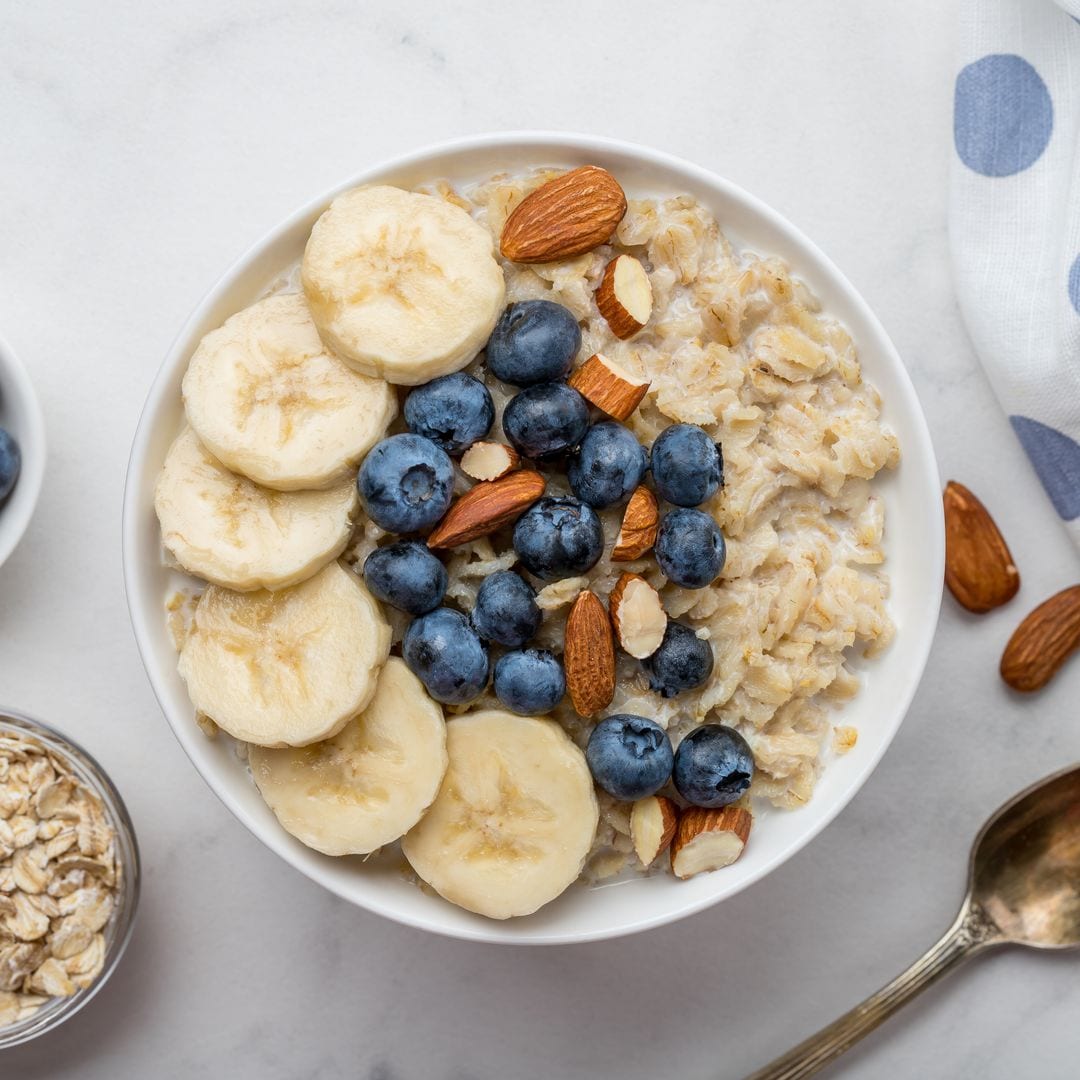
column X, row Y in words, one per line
column 145, row 145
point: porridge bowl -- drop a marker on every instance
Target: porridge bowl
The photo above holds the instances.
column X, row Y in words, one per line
column 817, row 419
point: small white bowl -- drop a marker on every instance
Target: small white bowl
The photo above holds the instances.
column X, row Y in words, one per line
column 20, row 415
column 914, row 546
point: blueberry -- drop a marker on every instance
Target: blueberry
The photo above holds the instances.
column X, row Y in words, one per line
column 534, row 341
column 629, row 756
column 506, row 610
column 682, row 662
column 546, row 420
column 690, row 548
column 453, row 411
column 558, row 537
column 686, row 464
column 444, row 653
column 10, row 463
column 406, row 483
column 407, row 576
column 608, row 466
column 713, row 766
column 529, row 681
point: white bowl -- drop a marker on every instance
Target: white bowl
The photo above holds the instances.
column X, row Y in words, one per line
column 914, row 546
column 20, row 414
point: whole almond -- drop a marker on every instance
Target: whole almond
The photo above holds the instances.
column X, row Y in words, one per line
column 640, row 523
column 486, row 507
column 1043, row 642
column 979, row 570
column 566, row 216
column 589, row 655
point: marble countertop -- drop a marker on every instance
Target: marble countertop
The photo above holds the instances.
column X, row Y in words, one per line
column 146, row 145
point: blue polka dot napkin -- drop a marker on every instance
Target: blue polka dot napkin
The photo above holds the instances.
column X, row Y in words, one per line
column 1014, row 220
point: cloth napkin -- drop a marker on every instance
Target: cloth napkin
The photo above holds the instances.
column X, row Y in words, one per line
column 1014, row 222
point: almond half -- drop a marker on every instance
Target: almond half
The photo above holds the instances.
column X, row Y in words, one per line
column 566, row 216
column 589, row 655
column 625, row 296
column 487, row 507
column 652, row 826
column 708, row 839
column 489, row 460
column 603, row 383
column 979, row 570
column 640, row 523
column 638, row 615
column 1043, row 642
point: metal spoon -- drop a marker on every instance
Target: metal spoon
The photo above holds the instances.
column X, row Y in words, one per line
column 1023, row 889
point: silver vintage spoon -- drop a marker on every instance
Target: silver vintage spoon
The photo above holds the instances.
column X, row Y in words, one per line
column 1023, row 889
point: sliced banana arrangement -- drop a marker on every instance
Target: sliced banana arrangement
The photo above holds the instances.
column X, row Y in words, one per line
column 402, row 285
column 270, row 401
column 514, row 819
column 371, row 782
column 286, row 668
column 229, row 531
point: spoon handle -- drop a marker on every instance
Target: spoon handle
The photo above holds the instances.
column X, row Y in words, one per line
column 971, row 932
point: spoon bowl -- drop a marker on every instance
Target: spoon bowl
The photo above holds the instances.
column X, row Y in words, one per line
column 1025, row 865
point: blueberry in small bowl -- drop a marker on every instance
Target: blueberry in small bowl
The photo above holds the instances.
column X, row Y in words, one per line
column 406, row 575
column 534, row 341
column 629, row 756
column 558, row 537
column 682, row 662
column 714, row 766
column 10, row 464
column 687, row 465
column 690, row 548
column 529, row 682
column 406, row 483
column 506, row 610
column 453, row 411
column 545, row 420
column 444, row 652
column 607, row 466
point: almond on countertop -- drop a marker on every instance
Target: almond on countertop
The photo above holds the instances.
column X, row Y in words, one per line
column 708, row 839
column 489, row 460
column 979, row 570
column 640, row 523
column 638, row 615
column 609, row 387
column 589, row 655
column 652, row 826
column 624, row 297
column 566, row 216
column 1043, row 642
column 487, row 507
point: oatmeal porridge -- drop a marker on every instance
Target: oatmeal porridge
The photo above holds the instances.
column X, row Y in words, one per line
column 669, row 501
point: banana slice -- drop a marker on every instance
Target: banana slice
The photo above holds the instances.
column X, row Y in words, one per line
column 268, row 399
column 514, row 819
column 371, row 782
column 402, row 285
column 222, row 527
column 286, row 668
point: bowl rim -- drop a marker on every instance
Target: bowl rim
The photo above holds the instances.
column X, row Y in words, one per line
column 552, row 143
column 16, row 512
column 36, row 1026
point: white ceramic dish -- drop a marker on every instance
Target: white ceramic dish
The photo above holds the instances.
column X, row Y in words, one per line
column 20, row 414
column 914, row 545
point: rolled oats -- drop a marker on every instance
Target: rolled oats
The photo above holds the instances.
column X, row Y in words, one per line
column 58, row 876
